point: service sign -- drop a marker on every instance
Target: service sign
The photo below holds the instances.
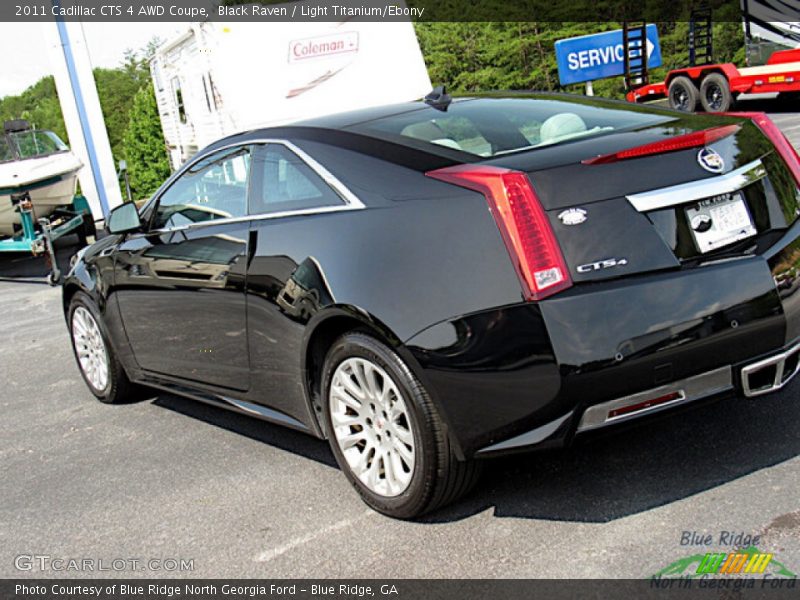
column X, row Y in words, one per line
column 600, row 55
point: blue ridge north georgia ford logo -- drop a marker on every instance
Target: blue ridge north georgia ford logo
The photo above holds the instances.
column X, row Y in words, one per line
column 711, row 160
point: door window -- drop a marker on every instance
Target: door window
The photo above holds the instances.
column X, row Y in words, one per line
column 213, row 188
column 282, row 181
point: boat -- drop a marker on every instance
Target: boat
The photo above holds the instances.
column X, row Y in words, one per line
column 35, row 161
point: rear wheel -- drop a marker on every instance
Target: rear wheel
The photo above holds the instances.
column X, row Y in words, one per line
column 715, row 95
column 683, row 94
column 385, row 432
column 98, row 364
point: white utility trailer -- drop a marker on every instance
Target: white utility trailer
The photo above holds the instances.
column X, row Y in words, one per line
column 219, row 78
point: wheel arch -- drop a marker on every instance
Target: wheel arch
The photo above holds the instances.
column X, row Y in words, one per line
column 330, row 324
column 82, row 279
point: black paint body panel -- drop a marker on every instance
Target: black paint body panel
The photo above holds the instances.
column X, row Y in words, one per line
column 423, row 267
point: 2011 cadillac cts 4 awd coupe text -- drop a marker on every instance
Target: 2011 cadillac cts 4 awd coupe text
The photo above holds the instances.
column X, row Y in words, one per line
column 431, row 283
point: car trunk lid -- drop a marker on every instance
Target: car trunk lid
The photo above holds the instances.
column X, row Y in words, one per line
column 665, row 197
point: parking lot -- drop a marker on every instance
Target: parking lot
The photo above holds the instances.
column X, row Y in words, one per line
column 169, row 479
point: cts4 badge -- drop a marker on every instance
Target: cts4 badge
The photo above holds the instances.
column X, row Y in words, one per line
column 572, row 216
column 608, row 263
column 711, row 160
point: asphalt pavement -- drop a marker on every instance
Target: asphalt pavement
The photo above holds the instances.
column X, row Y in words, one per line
column 208, row 493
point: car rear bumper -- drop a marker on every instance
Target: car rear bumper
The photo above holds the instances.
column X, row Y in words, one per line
column 534, row 376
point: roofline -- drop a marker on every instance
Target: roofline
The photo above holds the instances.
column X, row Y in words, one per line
column 417, row 156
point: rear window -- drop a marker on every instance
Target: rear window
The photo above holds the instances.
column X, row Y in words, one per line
column 495, row 126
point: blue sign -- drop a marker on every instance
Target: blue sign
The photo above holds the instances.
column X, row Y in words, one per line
column 598, row 56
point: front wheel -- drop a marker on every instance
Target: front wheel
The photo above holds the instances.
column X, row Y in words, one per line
column 385, row 432
column 98, row 364
column 715, row 94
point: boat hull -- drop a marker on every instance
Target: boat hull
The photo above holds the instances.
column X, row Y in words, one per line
column 50, row 181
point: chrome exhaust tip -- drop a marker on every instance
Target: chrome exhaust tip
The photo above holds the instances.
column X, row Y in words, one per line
column 770, row 374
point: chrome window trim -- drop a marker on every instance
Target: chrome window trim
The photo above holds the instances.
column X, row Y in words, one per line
column 351, row 201
column 697, row 190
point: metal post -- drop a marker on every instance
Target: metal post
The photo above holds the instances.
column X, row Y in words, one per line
column 54, row 278
column 123, row 172
column 589, row 88
column 26, row 218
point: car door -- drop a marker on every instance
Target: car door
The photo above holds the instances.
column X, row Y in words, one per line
column 290, row 193
column 181, row 284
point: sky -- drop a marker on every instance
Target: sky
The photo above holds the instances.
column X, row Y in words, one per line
column 106, row 41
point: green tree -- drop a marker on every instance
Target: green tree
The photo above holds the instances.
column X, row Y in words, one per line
column 116, row 88
column 473, row 57
column 38, row 104
column 144, row 146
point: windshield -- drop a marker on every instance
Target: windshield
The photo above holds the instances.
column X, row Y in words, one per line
column 33, row 143
column 495, row 126
column 5, row 150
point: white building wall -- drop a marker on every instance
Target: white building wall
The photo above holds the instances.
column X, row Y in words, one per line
column 239, row 76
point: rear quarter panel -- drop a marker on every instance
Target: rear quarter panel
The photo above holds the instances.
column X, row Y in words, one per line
column 420, row 253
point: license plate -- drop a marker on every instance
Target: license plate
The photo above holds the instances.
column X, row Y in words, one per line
column 719, row 221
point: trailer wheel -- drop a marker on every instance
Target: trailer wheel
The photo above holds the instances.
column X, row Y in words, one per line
column 715, row 95
column 683, row 94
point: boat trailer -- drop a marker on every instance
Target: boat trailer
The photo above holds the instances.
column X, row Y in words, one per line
column 37, row 235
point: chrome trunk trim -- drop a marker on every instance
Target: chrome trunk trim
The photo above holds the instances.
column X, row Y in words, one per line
column 689, row 389
column 697, row 190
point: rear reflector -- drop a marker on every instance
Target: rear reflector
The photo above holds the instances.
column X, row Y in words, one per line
column 775, row 135
column 522, row 222
column 626, row 410
column 680, row 142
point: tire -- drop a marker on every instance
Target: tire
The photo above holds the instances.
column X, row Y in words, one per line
column 715, row 94
column 683, row 94
column 97, row 361
column 398, row 484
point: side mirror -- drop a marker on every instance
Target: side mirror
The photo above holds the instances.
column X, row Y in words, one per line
column 124, row 218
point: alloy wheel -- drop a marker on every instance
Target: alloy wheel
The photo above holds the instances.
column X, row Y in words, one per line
column 714, row 96
column 680, row 100
column 372, row 426
column 90, row 348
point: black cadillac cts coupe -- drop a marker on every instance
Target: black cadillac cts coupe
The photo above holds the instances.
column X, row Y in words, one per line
column 435, row 282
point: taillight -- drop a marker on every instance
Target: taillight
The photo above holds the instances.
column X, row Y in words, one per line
column 679, row 142
column 522, row 222
column 775, row 135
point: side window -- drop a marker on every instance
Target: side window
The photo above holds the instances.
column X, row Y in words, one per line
column 283, row 181
column 213, row 188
